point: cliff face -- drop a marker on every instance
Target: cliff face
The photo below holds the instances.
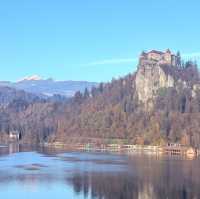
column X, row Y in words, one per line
column 149, row 78
column 158, row 70
column 154, row 73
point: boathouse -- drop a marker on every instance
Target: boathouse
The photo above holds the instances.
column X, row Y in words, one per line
column 14, row 135
column 178, row 149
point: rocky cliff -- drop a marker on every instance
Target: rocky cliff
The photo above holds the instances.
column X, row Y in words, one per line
column 149, row 79
column 152, row 75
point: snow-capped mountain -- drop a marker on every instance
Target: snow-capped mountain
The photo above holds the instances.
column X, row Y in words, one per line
column 31, row 78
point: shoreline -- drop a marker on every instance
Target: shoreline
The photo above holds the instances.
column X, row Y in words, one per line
column 172, row 150
column 187, row 151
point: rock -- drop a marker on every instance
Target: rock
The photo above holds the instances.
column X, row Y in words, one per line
column 150, row 77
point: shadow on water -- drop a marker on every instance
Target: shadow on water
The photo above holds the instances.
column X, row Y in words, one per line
column 100, row 175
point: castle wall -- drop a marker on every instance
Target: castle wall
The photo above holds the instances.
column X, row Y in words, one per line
column 154, row 56
column 168, row 57
column 161, row 58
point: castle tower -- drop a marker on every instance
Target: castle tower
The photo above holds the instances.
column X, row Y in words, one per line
column 168, row 57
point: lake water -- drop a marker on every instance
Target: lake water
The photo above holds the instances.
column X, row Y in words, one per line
column 27, row 173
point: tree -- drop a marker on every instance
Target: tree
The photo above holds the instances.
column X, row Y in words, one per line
column 178, row 56
column 78, row 97
column 86, row 94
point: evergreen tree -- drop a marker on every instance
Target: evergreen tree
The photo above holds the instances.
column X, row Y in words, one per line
column 86, row 94
column 178, row 57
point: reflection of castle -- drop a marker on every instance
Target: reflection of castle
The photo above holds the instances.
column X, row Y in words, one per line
column 159, row 57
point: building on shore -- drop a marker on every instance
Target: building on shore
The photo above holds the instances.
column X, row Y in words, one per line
column 178, row 149
column 14, row 135
column 169, row 149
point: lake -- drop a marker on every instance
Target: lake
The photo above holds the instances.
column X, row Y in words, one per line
column 38, row 173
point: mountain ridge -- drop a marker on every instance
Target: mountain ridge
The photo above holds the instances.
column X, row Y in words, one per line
column 49, row 87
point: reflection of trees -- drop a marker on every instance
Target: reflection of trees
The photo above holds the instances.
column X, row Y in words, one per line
column 169, row 178
column 105, row 185
column 146, row 179
column 81, row 184
column 143, row 178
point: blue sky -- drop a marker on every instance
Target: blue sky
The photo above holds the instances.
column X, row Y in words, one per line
column 92, row 40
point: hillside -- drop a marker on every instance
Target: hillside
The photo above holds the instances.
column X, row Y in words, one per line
column 10, row 95
column 158, row 103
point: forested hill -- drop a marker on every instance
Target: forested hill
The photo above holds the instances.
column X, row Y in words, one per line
column 10, row 95
column 156, row 104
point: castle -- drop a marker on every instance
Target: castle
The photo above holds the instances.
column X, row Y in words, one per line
column 161, row 58
column 153, row 74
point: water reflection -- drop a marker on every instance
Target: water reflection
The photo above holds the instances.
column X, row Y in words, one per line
column 127, row 186
column 55, row 174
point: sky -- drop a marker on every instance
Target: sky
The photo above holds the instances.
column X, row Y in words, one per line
column 93, row 40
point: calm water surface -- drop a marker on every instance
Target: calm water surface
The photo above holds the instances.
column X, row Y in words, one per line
column 39, row 173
